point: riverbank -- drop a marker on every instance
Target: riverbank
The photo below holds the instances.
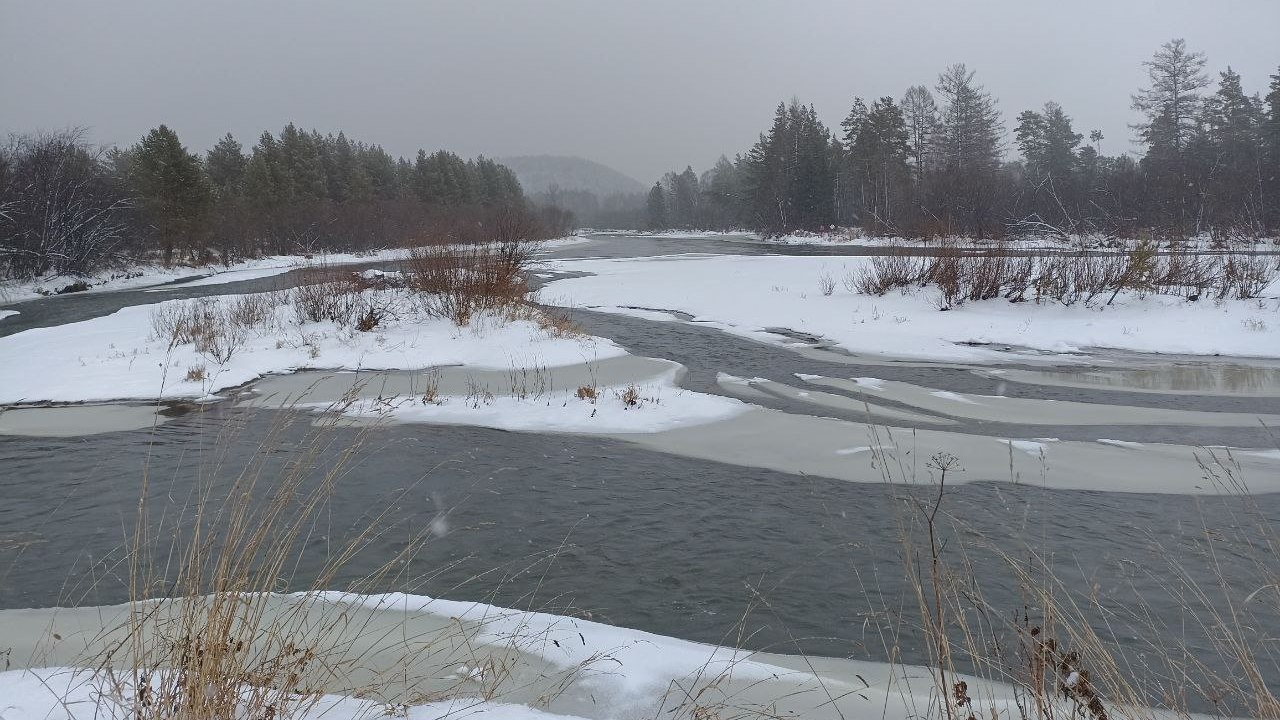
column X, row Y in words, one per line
column 140, row 275
column 773, row 298
column 423, row 658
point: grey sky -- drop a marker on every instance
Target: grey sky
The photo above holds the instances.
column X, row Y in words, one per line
column 644, row 86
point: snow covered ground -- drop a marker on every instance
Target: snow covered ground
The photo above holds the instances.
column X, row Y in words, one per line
column 500, row 664
column 143, row 276
column 652, row 405
column 846, row 237
column 748, row 295
column 119, row 356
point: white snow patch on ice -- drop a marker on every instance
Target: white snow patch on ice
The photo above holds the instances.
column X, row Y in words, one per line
column 954, row 397
column 870, row 383
column 1120, row 443
column 1035, row 449
column 7, row 313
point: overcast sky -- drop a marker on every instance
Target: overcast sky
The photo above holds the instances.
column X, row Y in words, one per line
column 643, row 86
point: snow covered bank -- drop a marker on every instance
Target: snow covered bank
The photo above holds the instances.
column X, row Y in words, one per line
column 119, row 356
column 651, row 405
column 854, row 237
column 144, row 276
column 496, row 663
column 749, row 295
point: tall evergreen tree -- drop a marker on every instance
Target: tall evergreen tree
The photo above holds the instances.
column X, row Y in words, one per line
column 877, row 150
column 1053, row 166
column 968, row 144
column 225, row 164
column 1172, row 106
column 1234, row 123
column 685, row 199
column 172, row 188
column 1271, row 154
column 656, row 208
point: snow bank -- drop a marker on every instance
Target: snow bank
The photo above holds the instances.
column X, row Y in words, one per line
column 854, row 237
column 566, row 666
column 65, row 693
column 746, row 295
column 117, row 356
column 143, row 276
column 656, row 406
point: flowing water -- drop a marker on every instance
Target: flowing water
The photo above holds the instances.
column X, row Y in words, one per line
column 674, row 545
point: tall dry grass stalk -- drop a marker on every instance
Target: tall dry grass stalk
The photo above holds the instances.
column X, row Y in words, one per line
column 204, row 636
column 1066, row 651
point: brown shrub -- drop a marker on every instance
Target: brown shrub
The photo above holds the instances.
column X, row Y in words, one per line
column 456, row 283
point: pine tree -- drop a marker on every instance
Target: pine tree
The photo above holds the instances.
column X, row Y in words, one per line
column 685, row 197
column 877, row 147
column 1271, row 155
column 656, row 208
column 1053, row 166
column 172, row 187
column 1234, row 125
column 1172, row 106
column 225, row 164
column 968, row 145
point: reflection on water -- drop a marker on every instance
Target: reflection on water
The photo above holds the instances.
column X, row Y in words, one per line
column 1207, row 378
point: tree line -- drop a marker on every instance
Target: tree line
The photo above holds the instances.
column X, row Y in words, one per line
column 72, row 208
column 933, row 164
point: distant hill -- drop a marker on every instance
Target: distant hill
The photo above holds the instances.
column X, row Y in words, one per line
column 537, row 173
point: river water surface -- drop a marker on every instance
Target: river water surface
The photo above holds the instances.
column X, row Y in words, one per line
column 674, row 545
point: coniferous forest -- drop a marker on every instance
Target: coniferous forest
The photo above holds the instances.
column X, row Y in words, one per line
column 71, row 208
column 945, row 161
column 940, row 161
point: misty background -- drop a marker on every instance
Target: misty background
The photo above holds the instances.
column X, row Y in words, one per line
column 643, row 87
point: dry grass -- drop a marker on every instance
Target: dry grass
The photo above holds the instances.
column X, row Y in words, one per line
column 588, row 393
column 1067, row 278
column 459, row 283
column 1065, row 651
column 201, row 641
column 630, row 396
column 195, row 373
column 431, row 389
